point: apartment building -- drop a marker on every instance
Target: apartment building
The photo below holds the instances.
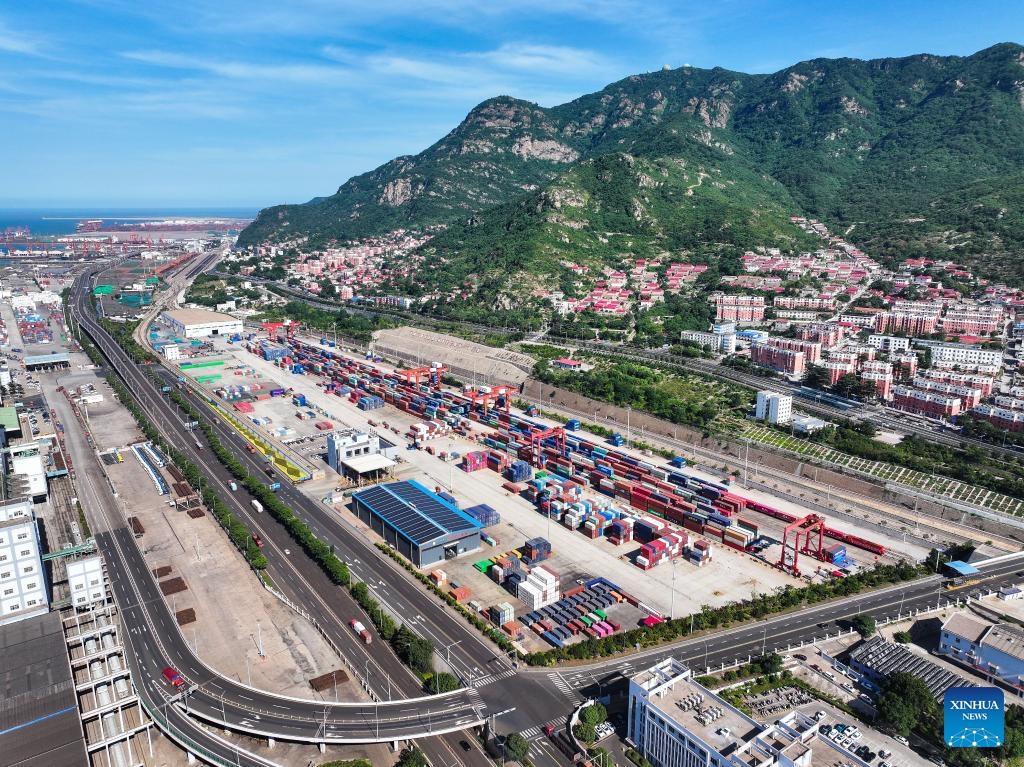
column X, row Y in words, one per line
column 811, row 349
column 773, row 407
column 786, row 361
column 973, row 320
column 984, row 384
column 718, row 343
column 737, row 308
column 951, row 355
column 804, row 302
column 889, row 344
column 1000, row 417
column 969, row 396
column 904, row 322
column 826, row 334
column 881, row 375
column 926, row 403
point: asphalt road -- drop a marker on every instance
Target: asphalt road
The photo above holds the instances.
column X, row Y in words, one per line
column 526, row 698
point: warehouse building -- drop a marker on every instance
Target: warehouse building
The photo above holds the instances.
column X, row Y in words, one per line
column 200, row 323
column 420, row 524
column 48, row 361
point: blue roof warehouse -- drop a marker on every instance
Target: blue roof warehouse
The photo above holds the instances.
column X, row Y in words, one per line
column 420, row 524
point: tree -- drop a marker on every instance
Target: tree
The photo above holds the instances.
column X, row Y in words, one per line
column 594, row 714
column 903, row 637
column 864, row 625
column 905, row 702
column 770, row 664
column 517, row 747
column 443, row 682
column 412, row 757
column 817, row 377
column 327, row 289
column 585, row 732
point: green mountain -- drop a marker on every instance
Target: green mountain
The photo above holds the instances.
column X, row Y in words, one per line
column 913, row 156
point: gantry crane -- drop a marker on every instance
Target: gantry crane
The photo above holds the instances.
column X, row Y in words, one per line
column 808, row 538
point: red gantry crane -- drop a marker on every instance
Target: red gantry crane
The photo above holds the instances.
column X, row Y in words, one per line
column 488, row 396
column 808, row 538
column 556, row 432
column 432, row 373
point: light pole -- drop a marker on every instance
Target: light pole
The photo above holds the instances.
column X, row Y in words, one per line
column 672, row 609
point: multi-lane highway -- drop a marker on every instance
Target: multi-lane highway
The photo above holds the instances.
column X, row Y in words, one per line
column 535, row 696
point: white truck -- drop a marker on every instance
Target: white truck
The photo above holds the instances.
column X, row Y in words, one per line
column 257, row 505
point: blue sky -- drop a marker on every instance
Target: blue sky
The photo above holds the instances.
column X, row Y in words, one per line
column 255, row 102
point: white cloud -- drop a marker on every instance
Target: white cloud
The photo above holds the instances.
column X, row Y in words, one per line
column 242, row 70
column 12, row 41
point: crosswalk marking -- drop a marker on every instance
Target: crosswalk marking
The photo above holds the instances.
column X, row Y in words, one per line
column 564, row 687
column 483, row 681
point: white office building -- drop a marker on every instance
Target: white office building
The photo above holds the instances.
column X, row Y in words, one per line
column 889, row 344
column 356, row 453
column 676, row 722
column 773, row 407
column 22, row 581
column 86, row 581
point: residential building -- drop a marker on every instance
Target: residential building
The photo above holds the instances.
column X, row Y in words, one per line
column 826, row 334
column 674, row 721
column 1001, row 418
column 804, row 302
column 838, row 367
column 973, row 320
column 931, row 404
column 774, row 407
column 23, row 592
column 984, row 384
column 786, row 361
column 906, row 364
column 969, row 396
column 718, row 343
column 904, row 322
column 997, row 651
column 889, row 344
column 953, row 355
column 879, row 373
column 737, row 308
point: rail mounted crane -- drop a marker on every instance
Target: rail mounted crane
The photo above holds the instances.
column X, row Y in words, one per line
column 808, row 538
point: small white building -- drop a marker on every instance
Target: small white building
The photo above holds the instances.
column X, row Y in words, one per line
column 86, row 581
column 200, row 323
column 774, row 407
column 171, row 352
column 22, row 581
column 355, row 453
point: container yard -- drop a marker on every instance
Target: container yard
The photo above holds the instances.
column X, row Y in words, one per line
column 576, row 508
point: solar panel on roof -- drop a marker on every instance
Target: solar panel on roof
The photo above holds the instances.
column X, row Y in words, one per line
column 412, row 510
